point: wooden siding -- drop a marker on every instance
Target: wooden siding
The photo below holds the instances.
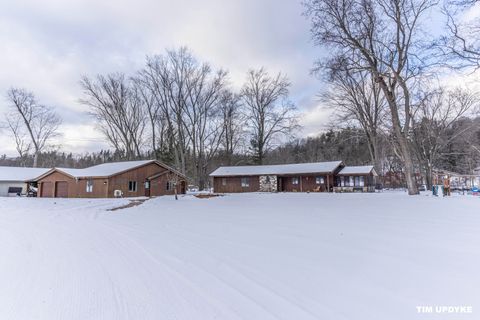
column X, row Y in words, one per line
column 48, row 184
column 234, row 184
column 104, row 187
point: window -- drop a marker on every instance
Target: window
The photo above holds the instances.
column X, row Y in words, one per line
column 169, row 186
column 295, row 180
column 245, row 183
column 342, row 181
column 89, row 186
column 224, row 181
column 132, row 186
column 350, row 184
column 319, row 180
column 147, row 184
column 357, row 181
column 362, row 182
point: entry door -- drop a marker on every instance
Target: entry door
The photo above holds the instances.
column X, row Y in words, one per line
column 147, row 188
column 61, row 189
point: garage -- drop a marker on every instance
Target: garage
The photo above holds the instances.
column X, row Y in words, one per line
column 46, row 190
column 61, row 189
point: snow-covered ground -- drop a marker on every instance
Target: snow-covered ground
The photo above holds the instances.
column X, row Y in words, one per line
column 246, row 256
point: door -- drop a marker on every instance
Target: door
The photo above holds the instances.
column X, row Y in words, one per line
column 46, row 190
column 61, row 189
column 147, row 188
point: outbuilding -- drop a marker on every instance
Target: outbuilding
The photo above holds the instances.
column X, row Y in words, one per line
column 126, row 179
column 13, row 180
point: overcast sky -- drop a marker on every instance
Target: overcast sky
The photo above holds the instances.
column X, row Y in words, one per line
column 46, row 46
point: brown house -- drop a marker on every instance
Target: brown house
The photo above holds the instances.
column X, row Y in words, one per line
column 127, row 179
column 299, row 177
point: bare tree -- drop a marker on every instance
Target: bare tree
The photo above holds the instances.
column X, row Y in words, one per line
column 271, row 115
column 438, row 112
column 188, row 93
column 357, row 98
column 461, row 45
column 233, row 124
column 32, row 124
column 119, row 108
column 174, row 181
column 382, row 37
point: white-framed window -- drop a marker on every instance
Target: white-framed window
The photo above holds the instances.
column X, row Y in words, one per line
column 295, row 180
column 89, row 187
column 245, row 182
column 342, row 181
column 362, row 181
column 147, row 184
column 170, row 185
column 132, row 186
column 319, row 180
column 224, row 181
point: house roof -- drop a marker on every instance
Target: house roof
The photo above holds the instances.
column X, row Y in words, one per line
column 357, row 170
column 106, row 170
column 20, row 173
column 296, row 168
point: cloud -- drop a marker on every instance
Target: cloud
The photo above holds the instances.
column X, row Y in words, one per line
column 47, row 45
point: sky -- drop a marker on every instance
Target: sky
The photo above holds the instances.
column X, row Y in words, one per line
column 48, row 45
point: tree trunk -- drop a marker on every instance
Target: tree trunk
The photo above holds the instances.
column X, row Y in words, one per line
column 35, row 159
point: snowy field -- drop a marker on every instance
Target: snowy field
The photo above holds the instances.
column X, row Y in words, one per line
column 250, row 256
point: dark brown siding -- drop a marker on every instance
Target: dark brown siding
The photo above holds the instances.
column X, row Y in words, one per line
column 140, row 175
column 158, row 186
column 49, row 184
column 61, row 189
column 46, row 189
column 234, row 184
column 61, row 185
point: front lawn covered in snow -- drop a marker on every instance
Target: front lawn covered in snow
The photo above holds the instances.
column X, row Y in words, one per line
column 243, row 256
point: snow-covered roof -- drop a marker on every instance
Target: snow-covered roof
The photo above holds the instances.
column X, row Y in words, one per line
column 357, row 170
column 20, row 173
column 104, row 170
column 296, row 168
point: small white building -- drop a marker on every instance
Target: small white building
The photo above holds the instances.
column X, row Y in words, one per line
column 13, row 180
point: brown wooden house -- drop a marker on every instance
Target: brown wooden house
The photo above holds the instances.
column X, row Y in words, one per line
column 127, row 179
column 299, row 177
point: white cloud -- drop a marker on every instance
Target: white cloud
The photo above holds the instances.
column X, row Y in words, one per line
column 47, row 45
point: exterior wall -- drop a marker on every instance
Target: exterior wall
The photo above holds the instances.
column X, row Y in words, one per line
column 49, row 182
column 104, row 187
column 268, row 183
column 4, row 185
column 306, row 183
column 158, row 187
column 234, row 184
column 140, row 175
